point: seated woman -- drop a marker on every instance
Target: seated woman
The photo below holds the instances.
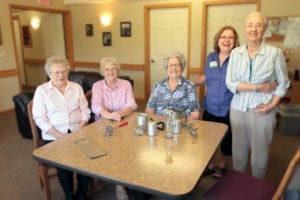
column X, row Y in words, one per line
column 60, row 108
column 174, row 92
column 112, row 98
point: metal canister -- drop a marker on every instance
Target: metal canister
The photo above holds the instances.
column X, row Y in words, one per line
column 177, row 126
column 142, row 120
column 152, row 128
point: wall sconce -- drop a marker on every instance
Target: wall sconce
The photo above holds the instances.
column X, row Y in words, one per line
column 105, row 20
column 35, row 23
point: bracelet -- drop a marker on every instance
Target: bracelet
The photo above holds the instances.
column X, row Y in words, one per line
column 256, row 88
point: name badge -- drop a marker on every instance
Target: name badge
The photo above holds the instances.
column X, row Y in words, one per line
column 213, row 64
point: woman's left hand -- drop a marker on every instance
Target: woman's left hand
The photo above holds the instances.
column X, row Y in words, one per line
column 263, row 109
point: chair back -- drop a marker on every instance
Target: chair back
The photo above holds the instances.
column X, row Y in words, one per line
column 289, row 172
column 36, row 133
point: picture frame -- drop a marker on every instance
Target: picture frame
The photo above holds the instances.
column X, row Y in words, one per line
column 1, row 42
column 89, row 30
column 277, row 27
column 26, row 36
column 106, row 39
column 125, row 29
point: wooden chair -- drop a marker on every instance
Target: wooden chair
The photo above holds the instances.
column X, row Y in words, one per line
column 237, row 185
column 44, row 171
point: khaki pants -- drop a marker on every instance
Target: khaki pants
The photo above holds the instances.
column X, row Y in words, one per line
column 251, row 133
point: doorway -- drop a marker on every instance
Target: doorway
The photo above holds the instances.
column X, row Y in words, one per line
column 167, row 28
column 55, row 38
column 218, row 14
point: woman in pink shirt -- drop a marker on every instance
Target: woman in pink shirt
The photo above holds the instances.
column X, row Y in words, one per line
column 112, row 98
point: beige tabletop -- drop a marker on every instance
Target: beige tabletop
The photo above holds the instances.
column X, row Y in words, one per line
column 160, row 166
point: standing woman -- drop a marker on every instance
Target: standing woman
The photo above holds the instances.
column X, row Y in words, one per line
column 217, row 98
column 175, row 91
column 60, row 108
column 257, row 76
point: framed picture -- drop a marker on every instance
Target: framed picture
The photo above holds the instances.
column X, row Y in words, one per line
column 89, row 30
column 0, row 37
column 125, row 28
column 106, row 38
column 26, row 36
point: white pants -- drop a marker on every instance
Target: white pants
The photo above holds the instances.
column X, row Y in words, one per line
column 251, row 132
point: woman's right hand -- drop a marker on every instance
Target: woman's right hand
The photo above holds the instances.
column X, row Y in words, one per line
column 115, row 116
column 267, row 87
column 200, row 80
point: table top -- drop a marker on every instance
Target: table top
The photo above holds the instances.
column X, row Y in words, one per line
column 156, row 165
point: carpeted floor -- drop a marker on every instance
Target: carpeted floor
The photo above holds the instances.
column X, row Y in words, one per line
column 18, row 171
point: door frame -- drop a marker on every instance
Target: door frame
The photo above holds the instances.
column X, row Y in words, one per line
column 205, row 6
column 147, row 9
column 67, row 26
column 17, row 19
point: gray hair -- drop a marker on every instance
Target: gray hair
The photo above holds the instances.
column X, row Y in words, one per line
column 176, row 54
column 57, row 59
column 257, row 13
column 108, row 60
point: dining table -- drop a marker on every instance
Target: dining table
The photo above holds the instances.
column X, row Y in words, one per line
column 157, row 165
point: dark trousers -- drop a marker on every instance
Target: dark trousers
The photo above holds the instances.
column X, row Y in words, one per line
column 226, row 145
column 136, row 195
column 66, row 180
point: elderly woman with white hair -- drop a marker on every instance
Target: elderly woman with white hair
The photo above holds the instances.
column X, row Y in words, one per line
column 59, row 109
column 175, row 91
column 257, row 77
column 112, row 98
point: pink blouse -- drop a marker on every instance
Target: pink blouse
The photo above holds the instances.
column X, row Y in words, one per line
column 115, row 100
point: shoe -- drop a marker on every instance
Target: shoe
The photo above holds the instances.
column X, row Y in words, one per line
column 219, row 172
column 121, row 193
column 208, row 171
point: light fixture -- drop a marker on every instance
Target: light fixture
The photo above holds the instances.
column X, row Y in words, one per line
column 105, row 20
column 35, row 23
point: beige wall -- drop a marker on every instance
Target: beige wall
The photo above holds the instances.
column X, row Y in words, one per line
column 127, row 50
column 9, row 82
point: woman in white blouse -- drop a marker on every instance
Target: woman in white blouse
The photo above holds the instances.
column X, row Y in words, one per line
column 60, row 108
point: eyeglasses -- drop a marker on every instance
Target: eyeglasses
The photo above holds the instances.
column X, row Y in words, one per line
column 174, row 65
column 113, row 69
column 56, row 73
column 227, row 37
column 258, row 26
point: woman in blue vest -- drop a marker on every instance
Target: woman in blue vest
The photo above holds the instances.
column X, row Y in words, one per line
column 217, row 98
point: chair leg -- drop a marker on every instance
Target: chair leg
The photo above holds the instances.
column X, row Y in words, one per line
column 41, row 180
column 46, row 182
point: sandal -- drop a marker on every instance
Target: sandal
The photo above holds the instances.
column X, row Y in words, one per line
column 219, row 172
column 208, row 171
